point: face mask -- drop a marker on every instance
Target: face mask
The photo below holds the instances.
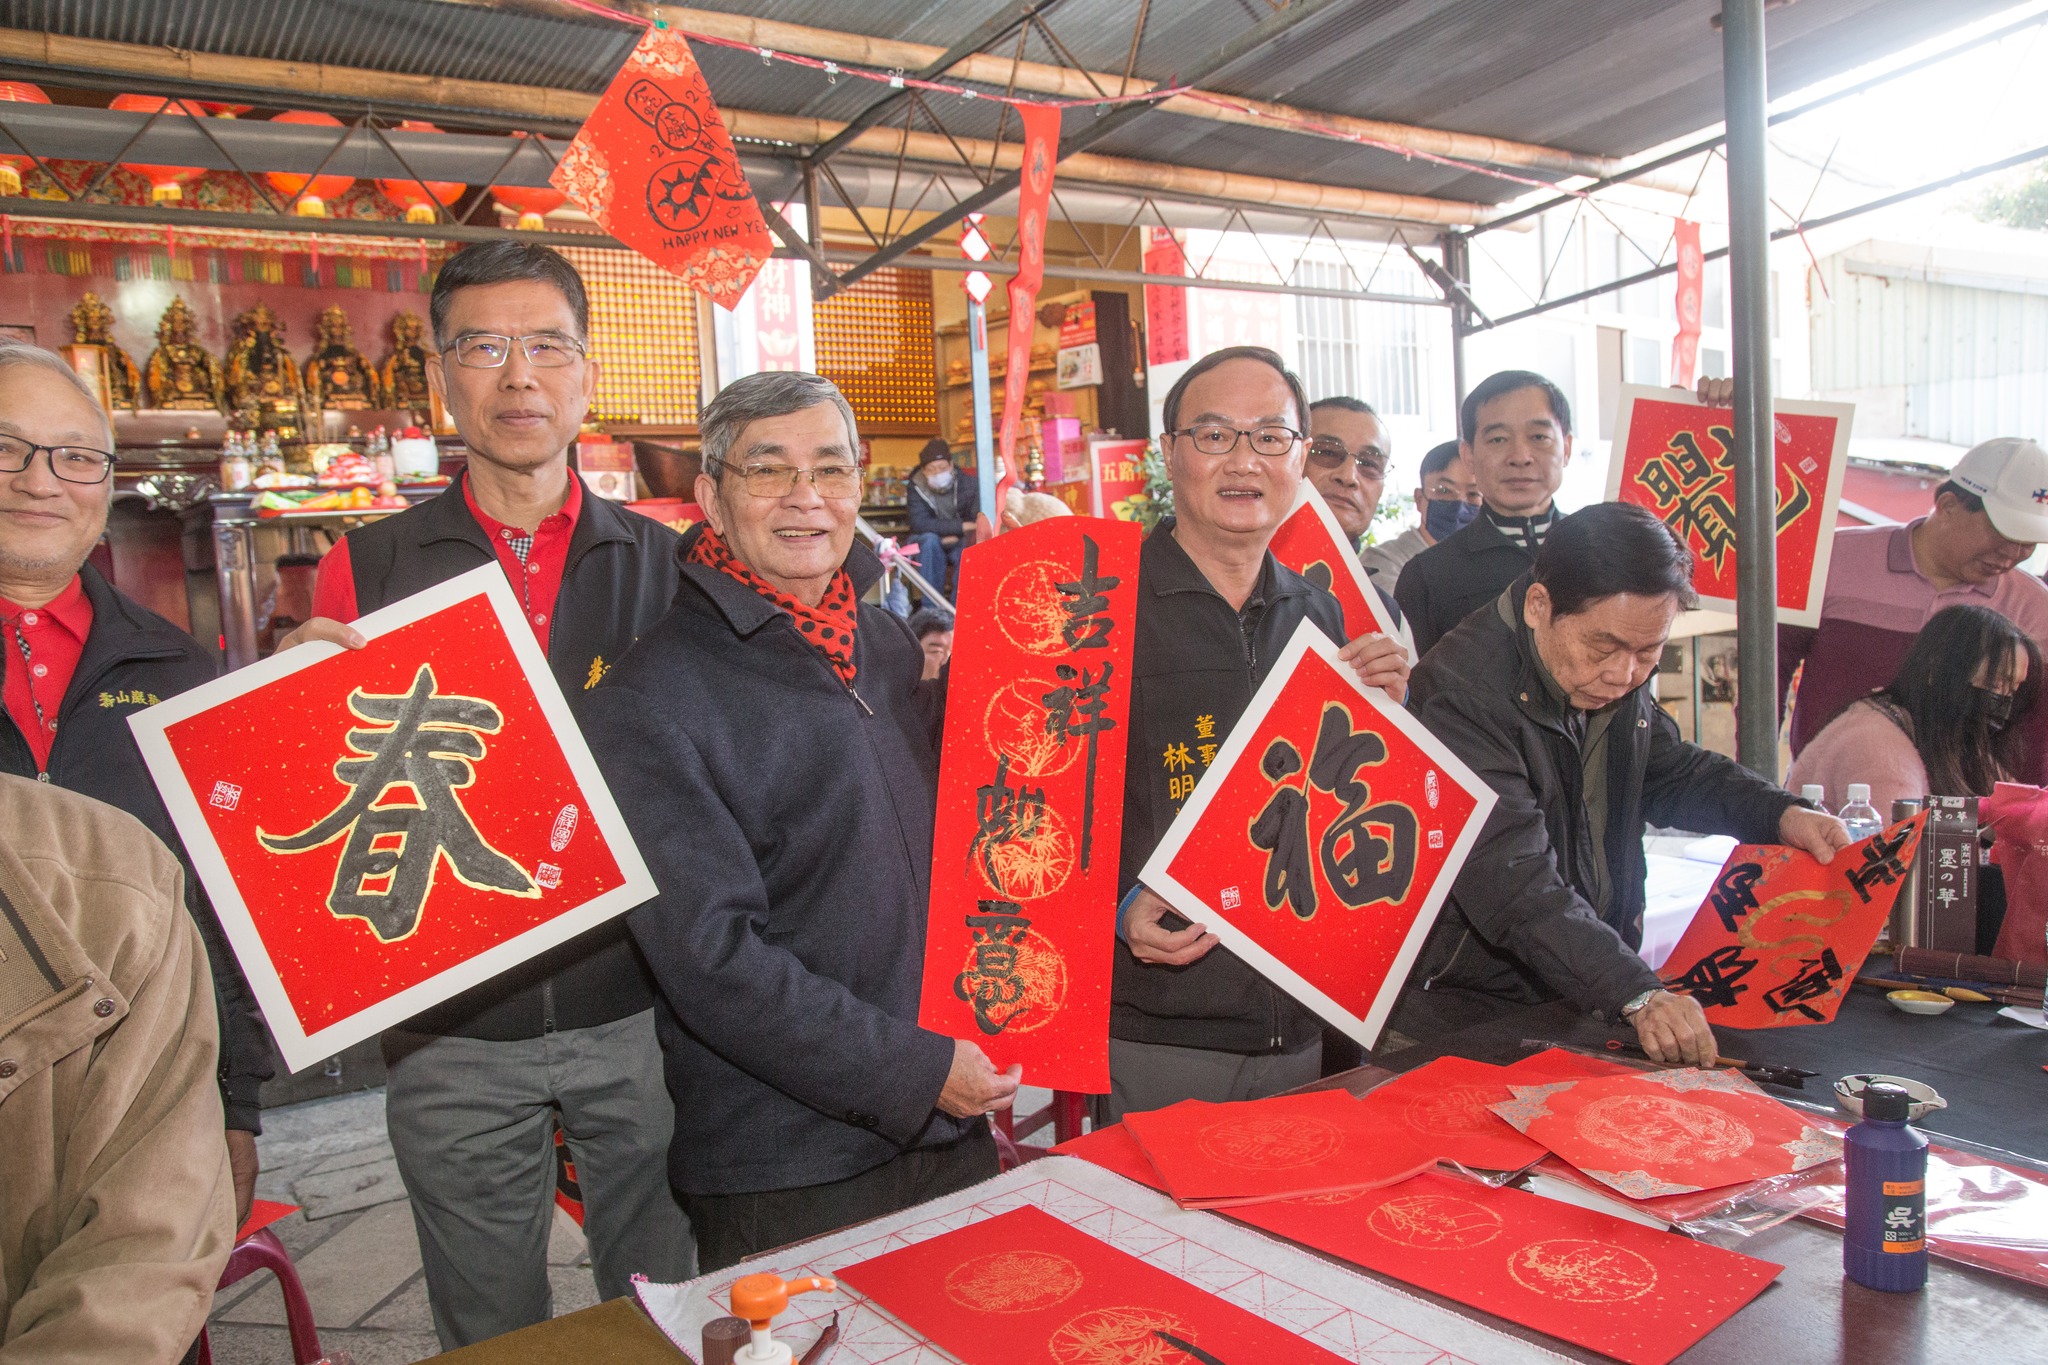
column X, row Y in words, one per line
column 1442, row 518
column 941, row 481
column 1995, row 707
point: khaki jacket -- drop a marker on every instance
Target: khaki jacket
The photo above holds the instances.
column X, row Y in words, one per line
column 116, row 1206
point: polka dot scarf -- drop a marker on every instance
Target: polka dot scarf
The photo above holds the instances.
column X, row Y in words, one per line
column 827, row 627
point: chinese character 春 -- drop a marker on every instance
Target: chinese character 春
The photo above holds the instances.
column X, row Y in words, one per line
column 1004, row 814
column 1815, row 981
column 1086, row 603
column 430, row 744
column 1075, row 710
column 1734, row 893
column 991, row 983
column 1712, row 980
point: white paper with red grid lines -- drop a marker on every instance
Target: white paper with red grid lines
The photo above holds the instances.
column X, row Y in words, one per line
column 1358, row 1318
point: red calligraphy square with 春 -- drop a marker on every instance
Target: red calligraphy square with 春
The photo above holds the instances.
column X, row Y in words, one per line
column 1676, row 457
column 1030, row 813
column 1320, row 844
column 382, row 828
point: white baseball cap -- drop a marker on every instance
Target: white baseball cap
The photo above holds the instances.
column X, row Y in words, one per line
column 2011, row 474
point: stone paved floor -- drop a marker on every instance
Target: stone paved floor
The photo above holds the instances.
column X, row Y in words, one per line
column 354, row 1246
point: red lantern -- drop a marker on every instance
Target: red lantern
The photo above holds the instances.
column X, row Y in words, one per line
column 166, row 183
column 313, row 203
column 529, row 203
column 420, row 200
column 11, row 167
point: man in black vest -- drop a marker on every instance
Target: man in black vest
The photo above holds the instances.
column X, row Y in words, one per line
column 77, row 658
column 476, row 1084
column 1515, row 435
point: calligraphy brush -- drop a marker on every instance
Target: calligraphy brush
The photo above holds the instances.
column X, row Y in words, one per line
column 1769, row 1072
column 825, row 1339
column 1185, row 1347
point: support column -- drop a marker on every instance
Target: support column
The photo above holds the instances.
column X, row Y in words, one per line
column 1746, row 96
column 1457, row 254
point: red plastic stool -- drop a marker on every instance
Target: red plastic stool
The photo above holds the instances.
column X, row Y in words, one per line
column 1065, row 1113
column 261, row 1250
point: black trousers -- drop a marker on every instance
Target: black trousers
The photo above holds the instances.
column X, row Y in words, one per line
column 732, row 1227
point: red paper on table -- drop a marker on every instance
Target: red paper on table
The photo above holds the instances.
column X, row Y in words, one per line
column 426, row 817
column 1116, row 1151
column 1311, row 543
column 1322, row 840
column 262, row 1213
column 1022, row 929
column 1444, row 1106
column 653, row 166
column 1562, row 1064
column 1638, row 1294
column 1669, row 1132
column 1214, row 1156
column 1024, row 1288
column 1780, row 938
column 1034, row 204
column 1675, row 456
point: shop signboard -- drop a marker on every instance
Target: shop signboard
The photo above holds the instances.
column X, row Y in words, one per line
column 1116, row 472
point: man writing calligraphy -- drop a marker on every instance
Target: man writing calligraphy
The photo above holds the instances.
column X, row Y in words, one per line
column 1547, row 694
column 1190, row 1020
column 775, row 751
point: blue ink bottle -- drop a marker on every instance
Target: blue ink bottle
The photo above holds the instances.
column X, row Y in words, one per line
column 1884, row 1240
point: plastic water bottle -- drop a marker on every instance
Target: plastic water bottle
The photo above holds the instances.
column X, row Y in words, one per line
column 1815, row 795
column 1884, row 1238
column 1859, row 815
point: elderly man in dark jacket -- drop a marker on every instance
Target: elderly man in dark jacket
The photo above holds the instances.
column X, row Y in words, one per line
column 1548, row 694
column 775, row 751
column 1215, row 609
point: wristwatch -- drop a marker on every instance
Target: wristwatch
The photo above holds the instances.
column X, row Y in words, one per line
column 1632, row 1006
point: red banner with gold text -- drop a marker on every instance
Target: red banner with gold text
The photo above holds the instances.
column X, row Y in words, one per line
column 1034, row 201
column 653, row 166
column 1030, row 815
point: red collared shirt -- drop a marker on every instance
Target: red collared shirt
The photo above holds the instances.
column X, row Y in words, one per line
column 535, row 575
column 55, row 634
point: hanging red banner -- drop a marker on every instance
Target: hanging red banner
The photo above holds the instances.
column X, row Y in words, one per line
column 1030, row 816
column 1322, row 840
column 1166, row 305
column 1780, row 937
column 1676, row 456
column 653, row 166
column 1311, row 543
column 1034, row 202
column 1685, row 347
column 428, row 818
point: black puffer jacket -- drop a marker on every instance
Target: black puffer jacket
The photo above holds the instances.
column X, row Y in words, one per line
column 1520, row 924
column 1196, row 664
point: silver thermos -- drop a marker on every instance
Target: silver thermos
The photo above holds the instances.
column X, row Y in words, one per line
column 1905, row 922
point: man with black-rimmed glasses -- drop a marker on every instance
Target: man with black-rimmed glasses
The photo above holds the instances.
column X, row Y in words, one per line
column 78, row 657
column 478, row 1084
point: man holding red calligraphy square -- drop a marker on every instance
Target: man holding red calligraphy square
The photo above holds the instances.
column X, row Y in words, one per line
column 1215, row 609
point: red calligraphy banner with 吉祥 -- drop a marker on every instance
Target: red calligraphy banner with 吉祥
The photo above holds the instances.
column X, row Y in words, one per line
column 1322, row 841
column 1780, row 937
column 1676, row 456
column 380, row 829
column 1311, row 543
column 1030, row 813
column 654, row 167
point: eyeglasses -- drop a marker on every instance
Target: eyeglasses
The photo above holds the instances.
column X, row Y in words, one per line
column 489, row 351
column 837, row 482
column 1213, row 438
column 73, row 464
column 1330, row 454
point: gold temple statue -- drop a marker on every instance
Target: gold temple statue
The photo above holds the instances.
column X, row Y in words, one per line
column 180, row 374
column 92, row 324
column 260, row 370
column 339, row 376
column 404, row 371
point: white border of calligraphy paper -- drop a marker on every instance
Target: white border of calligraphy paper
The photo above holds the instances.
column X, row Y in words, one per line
column 1308, row 496
column 1365, row 1029
column 1844, row 415
column 299, row 1048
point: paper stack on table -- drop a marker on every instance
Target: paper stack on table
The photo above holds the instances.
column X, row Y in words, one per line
column 1213, row 1156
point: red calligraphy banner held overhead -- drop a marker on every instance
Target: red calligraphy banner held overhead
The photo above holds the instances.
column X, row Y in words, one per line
column 1030, row 816
column 1676, row 456
column 654, row 167
column 1034, row 202
column 1780, row 938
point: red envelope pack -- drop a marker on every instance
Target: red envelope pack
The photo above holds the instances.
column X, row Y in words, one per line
column 1780, row 937
column 1311, row 543
column 1214, row 1156
column 1024, row 1288
column 1021, row 933
column 1659, row 1133
column 1321, row 842
column 380, row 829
column 1445, row 1107
column 1676, row 457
